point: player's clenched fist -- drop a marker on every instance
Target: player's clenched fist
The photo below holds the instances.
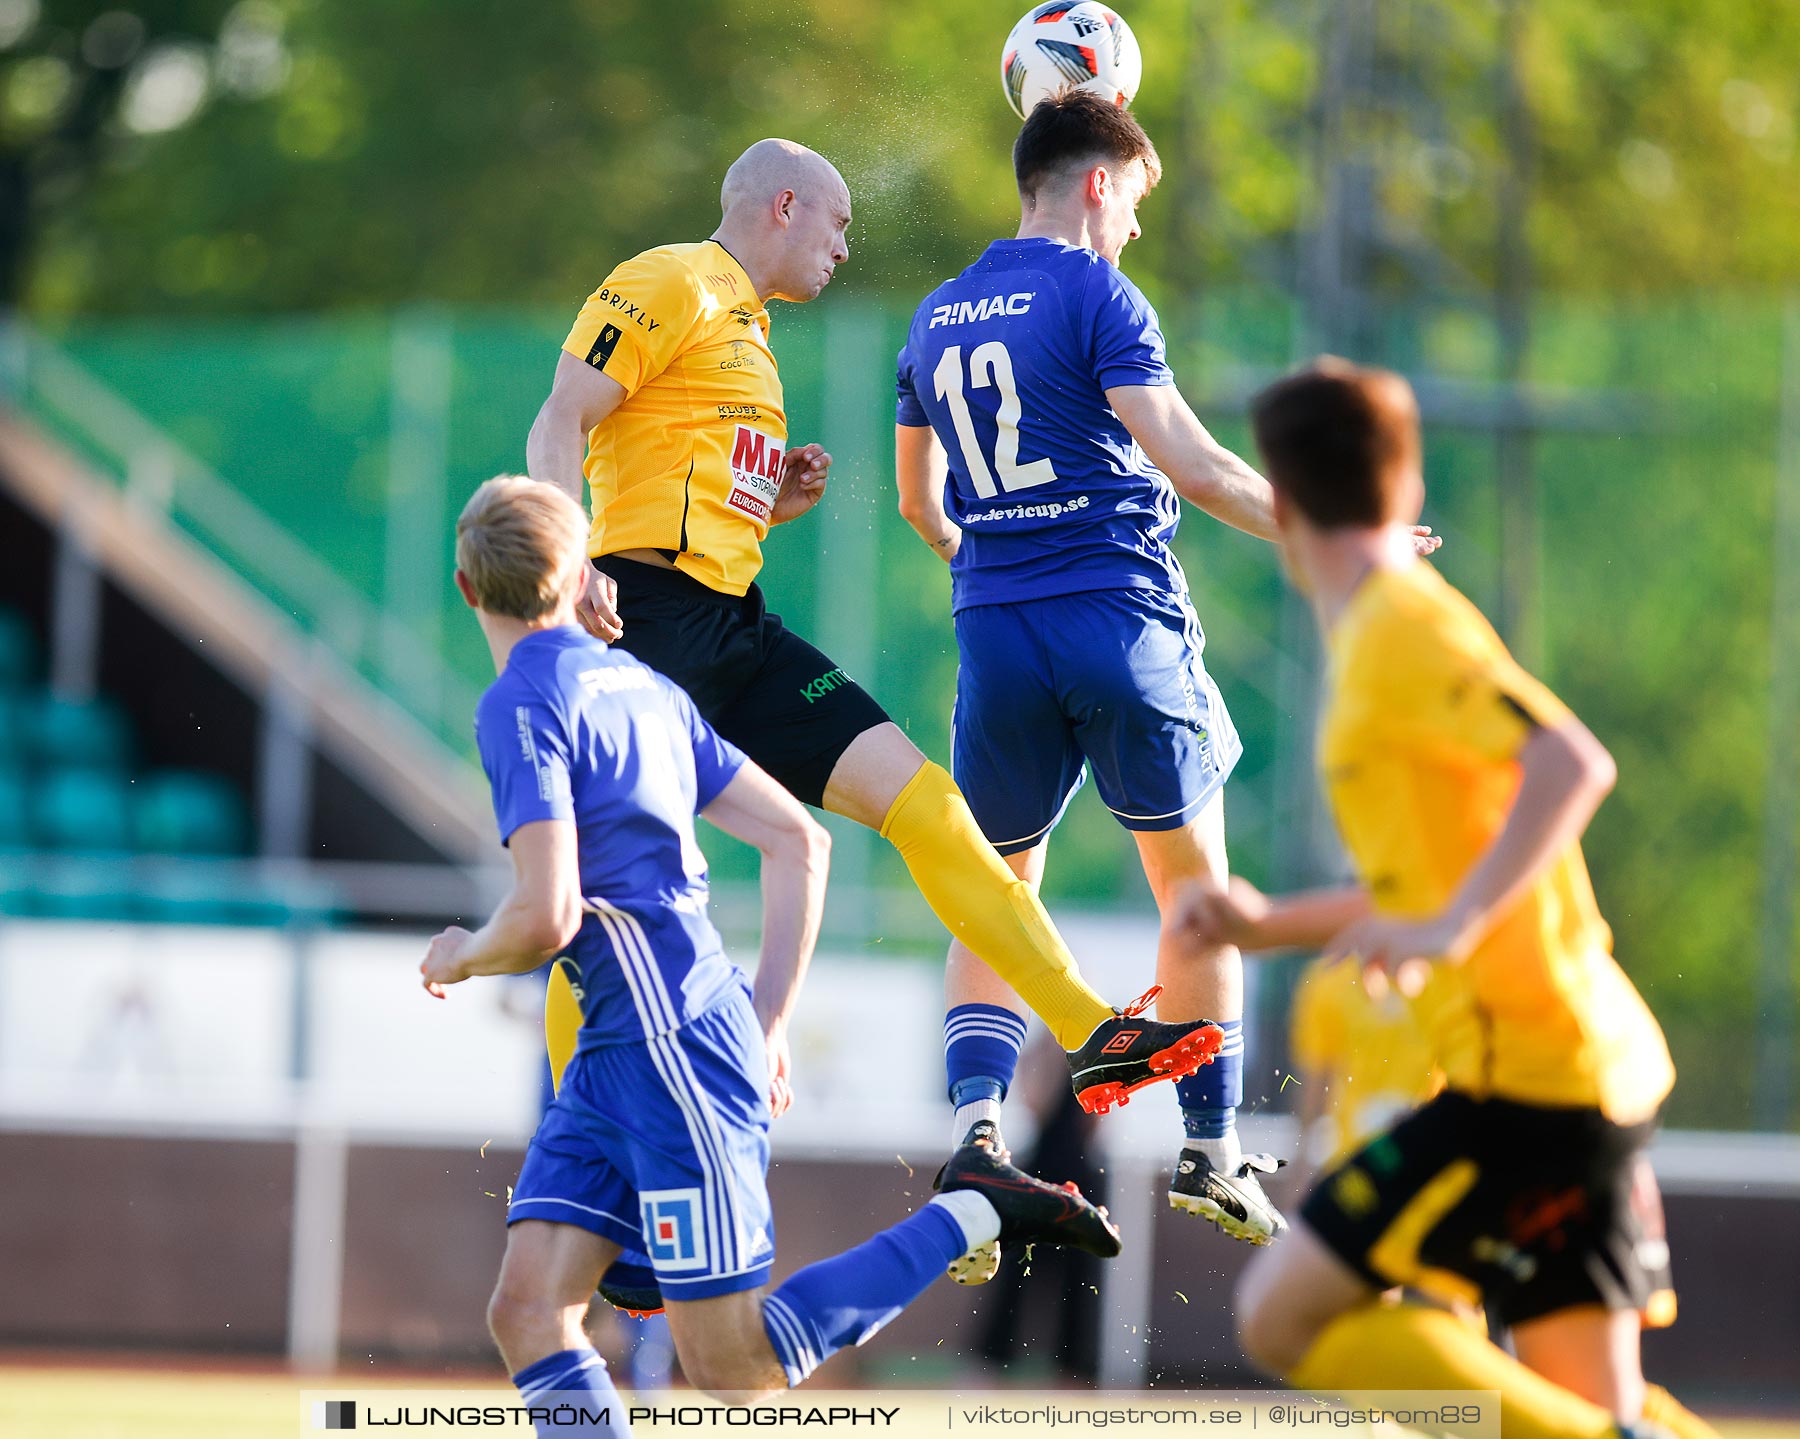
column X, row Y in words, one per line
column 598, row 607
column 443, row 964
column 803, row 472
column 1391, row 945
column 1218, row 916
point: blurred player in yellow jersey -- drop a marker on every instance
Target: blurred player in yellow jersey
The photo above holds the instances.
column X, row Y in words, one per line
column 1461, row 787
column 1363, row 1062
column 1361, row 1058
column 667, row 410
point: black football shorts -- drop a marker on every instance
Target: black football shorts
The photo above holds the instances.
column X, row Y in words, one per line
column 1531, row 1210
column 773, row 695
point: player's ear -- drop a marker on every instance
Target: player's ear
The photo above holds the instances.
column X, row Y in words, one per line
column 784, row 207
column 1099, row 185
column 466, row 590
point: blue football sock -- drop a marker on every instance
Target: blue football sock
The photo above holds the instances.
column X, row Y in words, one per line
column 845, row 1299
column 575, row 1378
column 981, row 1051
column 1209, row 1099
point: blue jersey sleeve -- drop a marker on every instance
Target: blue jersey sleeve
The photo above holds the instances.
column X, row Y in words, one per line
column 908, row 409
column 1124, row 336
column 716, row 759
column 525, row 751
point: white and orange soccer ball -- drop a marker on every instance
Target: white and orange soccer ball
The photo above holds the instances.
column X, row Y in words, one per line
column 1070, row 44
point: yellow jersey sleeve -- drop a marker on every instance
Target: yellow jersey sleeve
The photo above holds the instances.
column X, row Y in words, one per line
column 635, row 324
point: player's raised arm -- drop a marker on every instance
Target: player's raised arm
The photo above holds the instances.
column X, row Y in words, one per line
column 555, row 451
column 795, row 859
column 1202, row 470
column 919, row 470
column 580, row 398
column 535, row 922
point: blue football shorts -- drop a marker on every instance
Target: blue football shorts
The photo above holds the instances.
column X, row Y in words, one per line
column 1107, row 680
column 662, row 1145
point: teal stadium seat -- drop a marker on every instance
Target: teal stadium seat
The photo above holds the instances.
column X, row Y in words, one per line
column 91, row 734
column 88, row 810
column 15, row 814
column 18, row 651
column 13, row 710
column 188, row 812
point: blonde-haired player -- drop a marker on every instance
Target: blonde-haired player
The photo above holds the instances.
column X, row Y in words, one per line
column 658, row 1138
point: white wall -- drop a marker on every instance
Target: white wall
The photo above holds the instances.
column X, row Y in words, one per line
column 185, row 1026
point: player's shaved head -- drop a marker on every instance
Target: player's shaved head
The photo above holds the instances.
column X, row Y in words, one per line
column 771, row 166
column 787, row 217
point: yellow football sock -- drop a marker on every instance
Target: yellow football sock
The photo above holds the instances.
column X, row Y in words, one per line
column 1408, row 1346
column 562, row 1022
column 987, row 906
column 1662, row 1407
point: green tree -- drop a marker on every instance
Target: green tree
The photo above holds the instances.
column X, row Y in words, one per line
column 89, row 88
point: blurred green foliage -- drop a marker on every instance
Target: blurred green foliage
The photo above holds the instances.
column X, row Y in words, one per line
column 343, row 152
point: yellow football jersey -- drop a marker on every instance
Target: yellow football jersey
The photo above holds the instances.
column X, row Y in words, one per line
column 690, row 462
column 1373, row 1054
column 1425, row 715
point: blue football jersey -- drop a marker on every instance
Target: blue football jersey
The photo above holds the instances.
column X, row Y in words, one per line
column 1010, row 363
column 573, row 730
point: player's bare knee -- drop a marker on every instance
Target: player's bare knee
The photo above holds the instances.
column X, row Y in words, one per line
column 506, row 1313
column 520, row 1320
column 816, row 843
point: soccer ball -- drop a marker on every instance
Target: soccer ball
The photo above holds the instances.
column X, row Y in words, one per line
column 1070, row 44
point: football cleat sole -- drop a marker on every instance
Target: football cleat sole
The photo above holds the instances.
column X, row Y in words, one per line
column 1206, row 1209
column 1234, row 1202
column 1188, row 1055
column 978, row 1266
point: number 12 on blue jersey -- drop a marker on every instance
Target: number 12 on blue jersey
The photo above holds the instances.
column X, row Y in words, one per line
column 989, row 365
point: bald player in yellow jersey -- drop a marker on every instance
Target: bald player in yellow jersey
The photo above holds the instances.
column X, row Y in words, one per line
column 1461, row 787
column 667, row 411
